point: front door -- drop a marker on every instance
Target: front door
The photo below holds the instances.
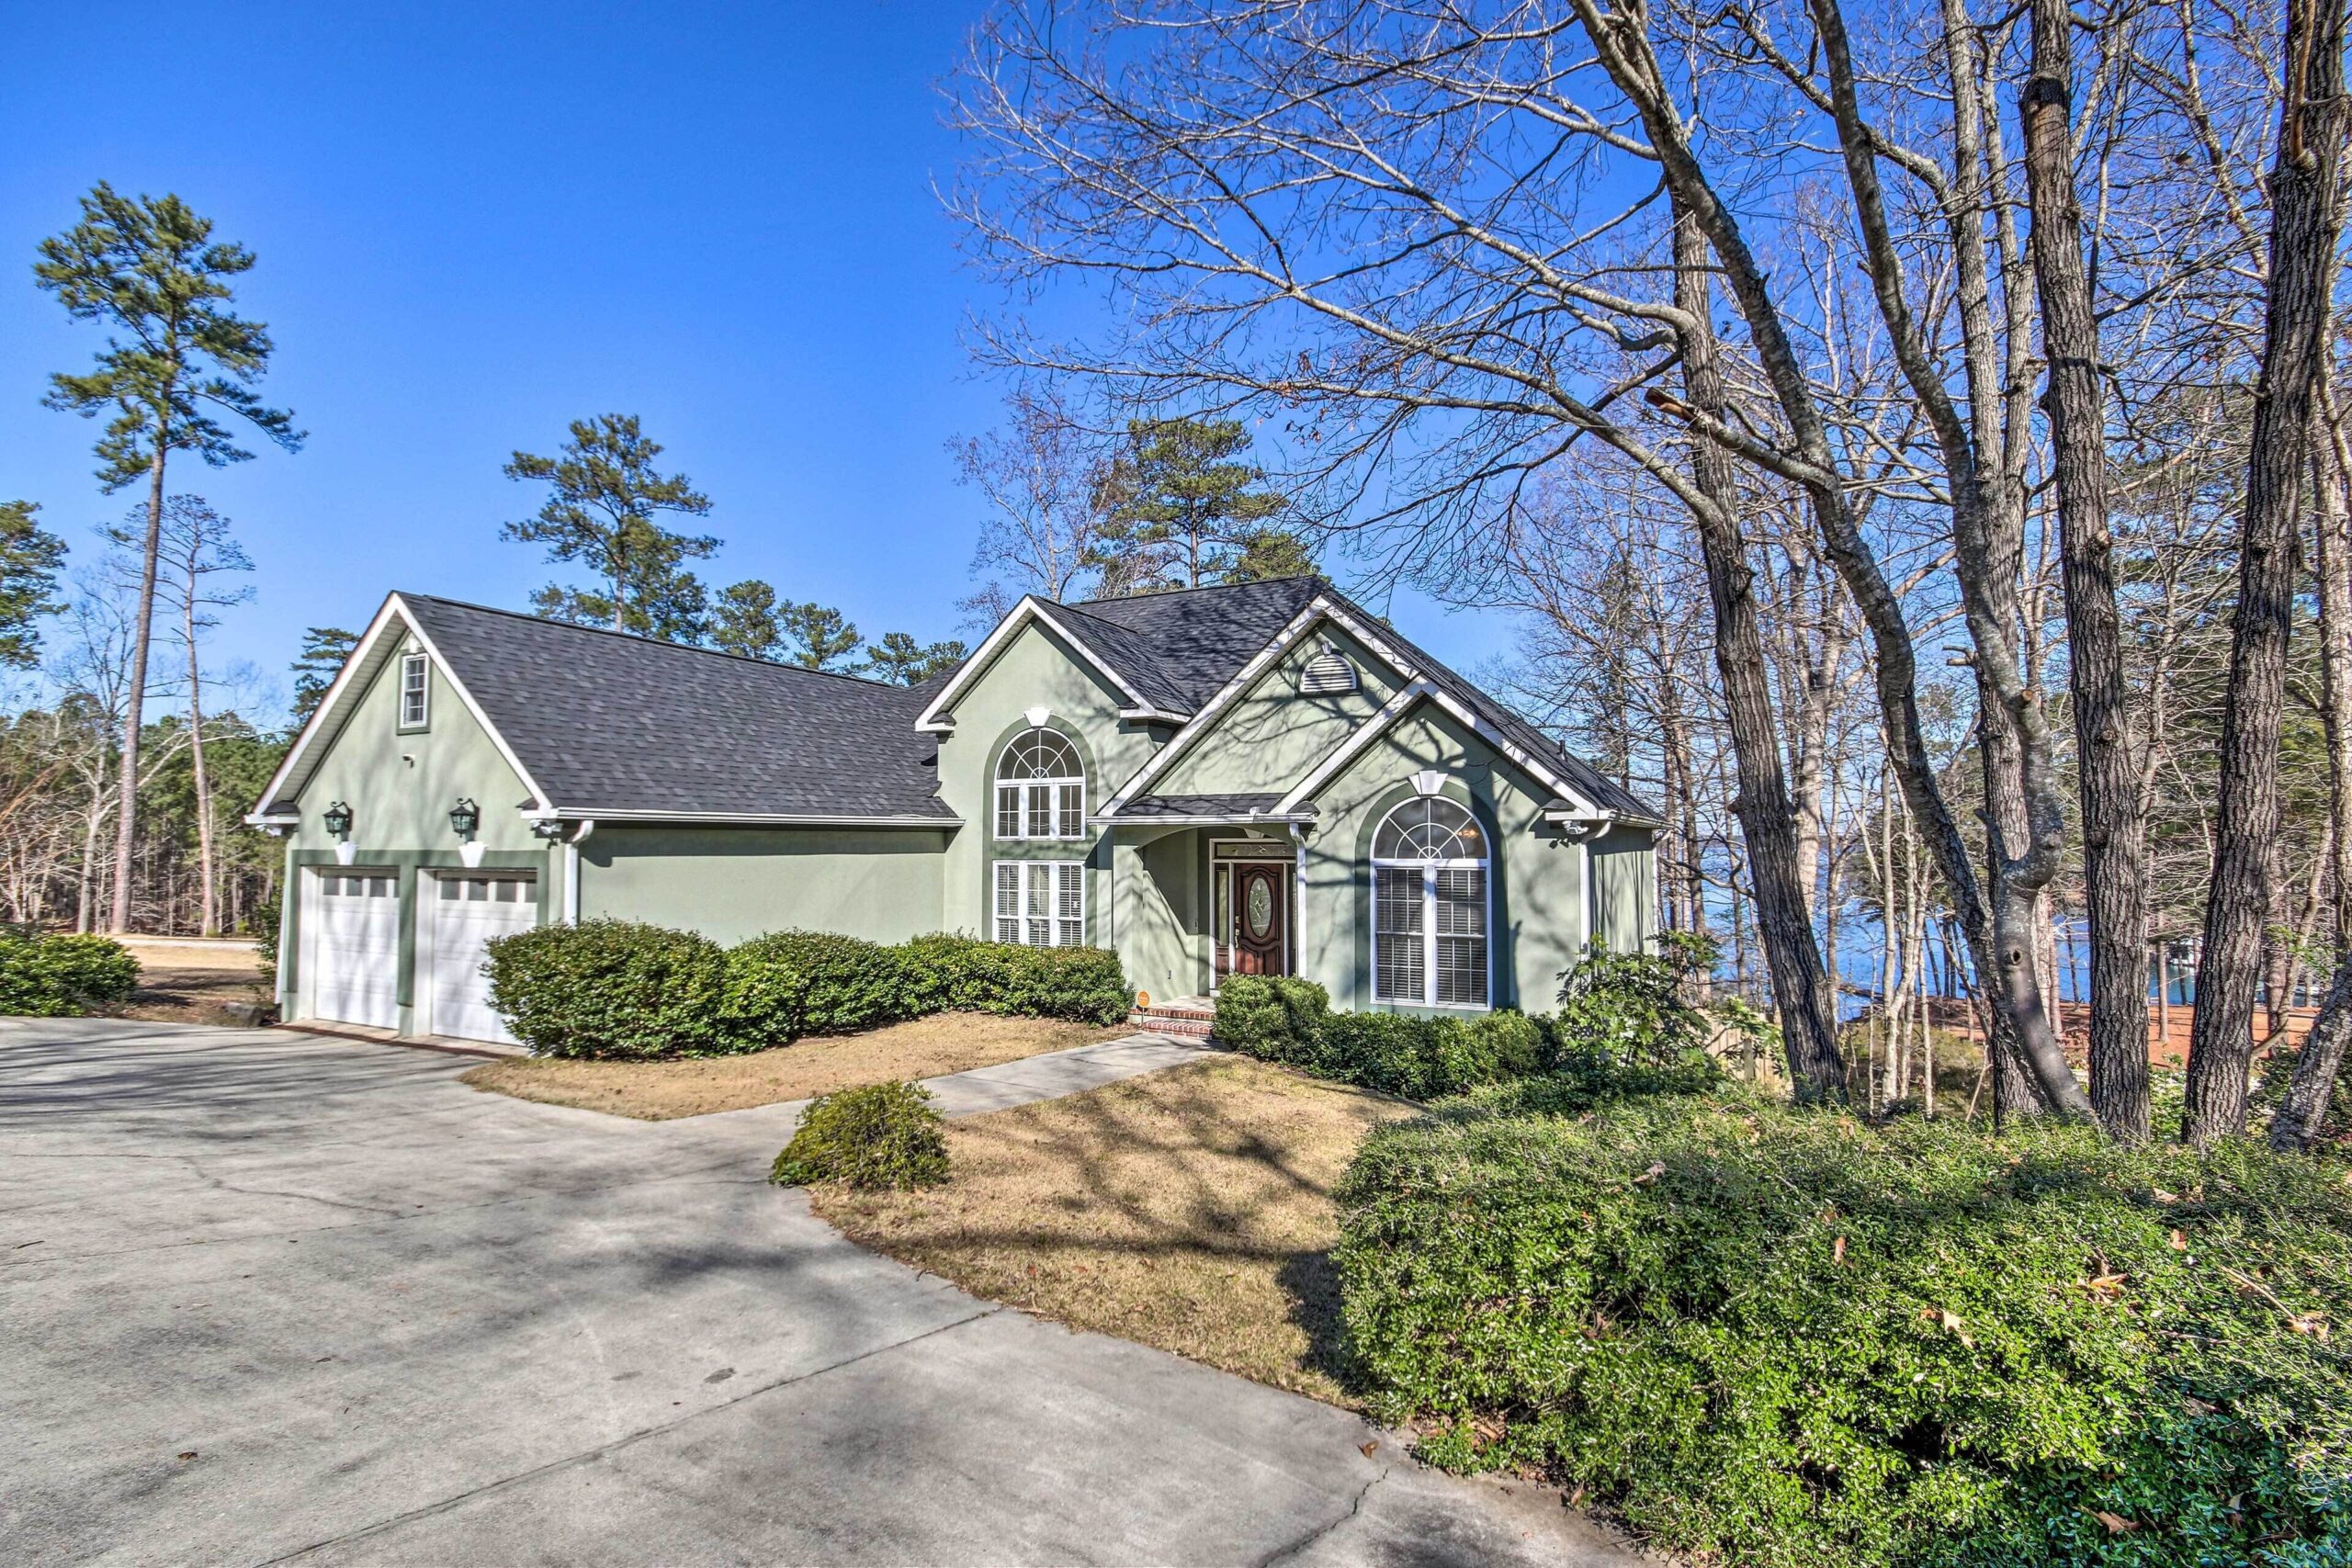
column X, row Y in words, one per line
column 1261, row 918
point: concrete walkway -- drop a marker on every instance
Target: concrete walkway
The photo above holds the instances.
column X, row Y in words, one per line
column 269, row 1297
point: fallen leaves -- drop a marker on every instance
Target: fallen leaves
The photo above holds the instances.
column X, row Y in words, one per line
column 2179, row 1242
column 1837, row 1251
column 1656, row 1169
column 1948, row 1321
column 2103, row 1287
column 2116, row 1523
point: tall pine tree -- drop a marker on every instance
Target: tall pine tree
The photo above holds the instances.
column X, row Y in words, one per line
column 605, row 509
column 150, row 269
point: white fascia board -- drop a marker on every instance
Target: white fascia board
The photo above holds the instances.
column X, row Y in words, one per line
column 1232, row 819
column 769, row 819
column 1407, row 697
column 346, row 680
column 1316, row 611
column 1603, row 820
column 1395, row 709
column 1031, row 608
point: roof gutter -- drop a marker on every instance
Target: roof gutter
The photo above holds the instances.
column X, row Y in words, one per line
column 593, row 814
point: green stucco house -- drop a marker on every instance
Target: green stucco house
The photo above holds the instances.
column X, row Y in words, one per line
column 1260, row 778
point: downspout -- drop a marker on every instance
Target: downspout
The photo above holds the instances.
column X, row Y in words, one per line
column 572, row 871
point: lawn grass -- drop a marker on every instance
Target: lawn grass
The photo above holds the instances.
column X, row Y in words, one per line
column 1189, row 1209
column 657, row 1091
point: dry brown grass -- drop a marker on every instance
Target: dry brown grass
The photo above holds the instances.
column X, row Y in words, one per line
column 657, row 1091
column 1189, row 1209
column 194, row 995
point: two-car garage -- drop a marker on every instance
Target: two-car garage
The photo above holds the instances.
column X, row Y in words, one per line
column 351, row 925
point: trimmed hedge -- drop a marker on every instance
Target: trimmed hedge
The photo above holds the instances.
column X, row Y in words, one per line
column 1778, row 1336
column 951, row 973
column 876, row 1135
column 63, row 977
column 1290, row 1022
column 788, row 984
column 615, row 989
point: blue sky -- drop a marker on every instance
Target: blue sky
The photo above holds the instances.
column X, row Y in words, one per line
column 477, row 223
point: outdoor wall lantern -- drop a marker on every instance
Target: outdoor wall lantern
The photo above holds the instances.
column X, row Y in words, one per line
column 464, row 817
column 337, row 821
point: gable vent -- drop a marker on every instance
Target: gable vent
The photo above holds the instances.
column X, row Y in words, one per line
column 1326, row 673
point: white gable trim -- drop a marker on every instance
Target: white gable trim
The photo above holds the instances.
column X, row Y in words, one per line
column 1317, row 610
column 1408, row 697
column 1404, row 702
column 321, row 731
column 935, row 718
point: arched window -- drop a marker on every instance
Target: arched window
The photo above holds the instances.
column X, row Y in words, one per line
column 1040, row 788
column 1429, row 905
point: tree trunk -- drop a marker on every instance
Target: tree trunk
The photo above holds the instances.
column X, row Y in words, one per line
column 209, row 906
column 1800, row 984
column 2296, row 1125
column 2114, row 834
column 126, row 822
column 2304, row 223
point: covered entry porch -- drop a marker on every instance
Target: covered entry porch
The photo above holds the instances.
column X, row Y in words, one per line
column 1205, row 896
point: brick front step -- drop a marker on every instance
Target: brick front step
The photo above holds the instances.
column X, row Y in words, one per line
column 1188, row 1023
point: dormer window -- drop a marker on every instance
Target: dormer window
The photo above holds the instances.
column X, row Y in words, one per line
column 1329, row 673
column 415, row 691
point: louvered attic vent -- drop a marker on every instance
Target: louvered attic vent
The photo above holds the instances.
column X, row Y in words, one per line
column 1326, row 675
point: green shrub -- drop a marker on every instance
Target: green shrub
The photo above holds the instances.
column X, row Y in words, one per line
column 266, row 917
column 1778, row 1336
column 945, row 971
column 611, row 989
column 1271, row 1016
column 788, row 984
column 1626, row 1007
column 63, row 977
column 882, row 1135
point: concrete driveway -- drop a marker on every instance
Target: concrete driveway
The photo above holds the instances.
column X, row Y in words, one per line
column 269, row 1297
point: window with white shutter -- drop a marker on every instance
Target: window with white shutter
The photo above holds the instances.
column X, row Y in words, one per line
column 1040, row 788
column 1041, row 902
column 1429, row 907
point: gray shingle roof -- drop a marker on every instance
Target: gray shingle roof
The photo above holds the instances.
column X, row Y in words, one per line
column 1198, row 638
column 1229, row 804
column 1189, row 642
column 622, row 723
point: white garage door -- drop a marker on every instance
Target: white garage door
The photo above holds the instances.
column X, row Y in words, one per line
column 356, row 947
column 461, row 917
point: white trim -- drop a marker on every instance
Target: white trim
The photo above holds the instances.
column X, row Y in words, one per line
column 1234, row 819
column 935, row 717
column 1073, row 872
column 1405, row 698
column 1024, row 826
column 402, row 723
column 1430, row 933
column 1276, row 853
column 1315, row 612
column 755, row 818
column 347, row 681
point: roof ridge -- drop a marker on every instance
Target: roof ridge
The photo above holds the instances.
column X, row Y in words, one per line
column 1195, row 588
column 649, row 641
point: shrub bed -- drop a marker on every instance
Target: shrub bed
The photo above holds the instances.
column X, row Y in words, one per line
column 788, row 984
column 620, row 989
column 1291, row 1021
column 947, row 972
column 876, row 1135
column 615, row 989
column 1778, row 1336
column 63, row 977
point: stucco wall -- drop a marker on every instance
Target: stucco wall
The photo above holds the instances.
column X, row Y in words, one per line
column 400, row 786
column 1538, row 922
column 1034, row 669
column 1273, row 737
column 732, row 882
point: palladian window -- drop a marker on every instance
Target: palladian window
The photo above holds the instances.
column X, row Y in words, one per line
column 1040, row 788
column 1429, row 900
